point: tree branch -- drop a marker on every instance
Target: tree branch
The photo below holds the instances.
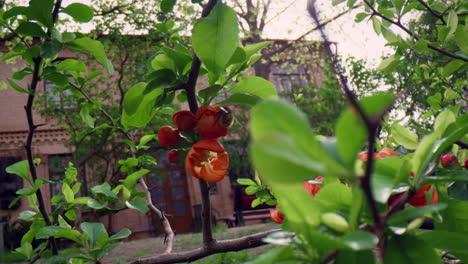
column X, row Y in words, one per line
column 236, row 244
column 432, row 11
column 413, row 35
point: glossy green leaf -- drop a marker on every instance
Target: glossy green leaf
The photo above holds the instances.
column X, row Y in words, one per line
column 67, row 192
column 360, row 240
column 95, row 204
column 51, row 48
column 242, row 99
column 256, row 86
column 138, row 105
column 94, row 231
column 71, row 65
column 405, row 137
column 133, row 178
column 452, row 23
column 21, row 169
column 124, row 233
column 351, row 134
column 355, row 257
column 409, row 250
column 446, row 241
column 85, row 115
column 30, row 29
column 167, row 5
column 411, row 213
column 48, row 231
column 80, row 12
column 452, row 67
column 16, row 86
column 57, row 78
column 95, row 48
column 216, row 37
column 139, row 204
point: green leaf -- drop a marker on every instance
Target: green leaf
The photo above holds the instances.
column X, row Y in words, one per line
column 452, row 67
column 301, row 149
column 15, row 11
column 404, row 137
column 360, row 240
column 95, row 48
column 71, row 65
column 139, row 204
column 41, row 10
column 386, row 63
column 16, row 86
column 25, row 250
column 355, row 257
column 80, row 12
column 398, row 4
column 276, row 255
column 446, row 241
column 26, row 215
column 350, row 134
column 245, row 181
column 95, row 204
column 85, row 116
column 337, row 2
column 460, row 37
column 124, row 233
column 411, row 213
column 94, row 231
column 104, row 189
column 335, row 197
column 443, row 121
column 21, row 169
column 67, row 192
column 70, row 174
column 409, row 250
column 57, row 78
column 256, row 86
column 452, row 23
column 360, row 17
column 138, row 105
column 167, row 5
column 241, row 98
column 50, row 49
column 133, row 178
column 163, row 61
column 48, row 231
column 30, row 29
column 377, row 25
column 216, row 37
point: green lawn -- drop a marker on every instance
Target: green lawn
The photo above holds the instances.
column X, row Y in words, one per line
column 152, row 246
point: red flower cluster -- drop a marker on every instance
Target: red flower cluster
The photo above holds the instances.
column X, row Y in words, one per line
column 311, row 188
column 206, row 159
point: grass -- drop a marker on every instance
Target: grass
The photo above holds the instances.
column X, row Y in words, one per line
column 152, row 246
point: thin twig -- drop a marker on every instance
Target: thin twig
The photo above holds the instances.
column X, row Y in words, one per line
column 434, row 13
column 412, row 34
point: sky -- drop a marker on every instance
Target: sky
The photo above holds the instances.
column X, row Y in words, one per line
column 289, row 20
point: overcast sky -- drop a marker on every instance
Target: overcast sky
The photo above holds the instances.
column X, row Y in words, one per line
column 354, row 39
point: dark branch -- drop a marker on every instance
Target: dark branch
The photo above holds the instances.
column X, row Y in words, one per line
column 434, row 13
column 237, row 244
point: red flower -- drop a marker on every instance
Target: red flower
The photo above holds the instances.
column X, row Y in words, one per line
column 168, row 136
column 311, row 188
column 449, row 160
column 419, row 199
column 184, row 120
column 276, row 216
column 383, row 153
column 213, row 121
column 207, row 160
column 173, row 156
column 466, row 164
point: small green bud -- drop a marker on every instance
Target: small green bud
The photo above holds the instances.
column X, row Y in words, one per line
column 415, row 224
column 335, row 222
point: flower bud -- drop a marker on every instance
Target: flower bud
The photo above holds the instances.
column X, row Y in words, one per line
column 173, row 156
column 184, row 120
column 449, row 160
column 277, row 216
column 335, row 222
column 168, row 136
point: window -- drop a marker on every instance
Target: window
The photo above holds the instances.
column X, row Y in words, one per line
column 57, row 166
column 9, row 184
column 287, row 76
